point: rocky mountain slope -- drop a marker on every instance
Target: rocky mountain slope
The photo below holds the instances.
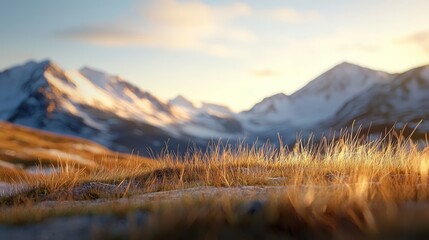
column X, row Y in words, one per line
column 318, row 100
column 107, row 109
column 403, row 102
column 104, row 108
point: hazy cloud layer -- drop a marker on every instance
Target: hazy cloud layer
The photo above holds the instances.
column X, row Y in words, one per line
column 291, row 15
column 173, row 25
column 191, row 25
column 421, row 39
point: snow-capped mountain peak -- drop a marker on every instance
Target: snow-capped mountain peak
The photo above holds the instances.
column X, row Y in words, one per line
column 274, row 104
column 216, row 109
column 73, row 90
column 123, row 90
column 97, row 100
column 417, row 78
column 109, row 110
column 344, row 77
column 98, row 77
column 181, row 101
column 18, row 83
column 403, row 100
column 346, row 64
column 319, row 99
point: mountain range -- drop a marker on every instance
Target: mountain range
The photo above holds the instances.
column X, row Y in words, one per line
column 109, row 110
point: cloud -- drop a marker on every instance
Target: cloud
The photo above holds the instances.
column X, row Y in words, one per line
column 106, row 35
column 290, row 15
column 185, row 26
column 262, row 73
column 171, row 24
column 421, row 39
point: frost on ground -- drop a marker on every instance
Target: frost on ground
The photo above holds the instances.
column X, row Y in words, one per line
column 8, row 189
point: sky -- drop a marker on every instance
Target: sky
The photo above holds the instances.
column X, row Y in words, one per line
column 227, row 52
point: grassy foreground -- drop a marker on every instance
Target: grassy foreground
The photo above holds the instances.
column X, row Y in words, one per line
column 348, row 187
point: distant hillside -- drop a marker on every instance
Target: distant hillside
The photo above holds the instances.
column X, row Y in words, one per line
column 27, row 151
column 111, row 111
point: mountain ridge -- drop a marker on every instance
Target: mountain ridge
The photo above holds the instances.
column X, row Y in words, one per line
column 109, row 110
column 318, row 99
column 403, row 102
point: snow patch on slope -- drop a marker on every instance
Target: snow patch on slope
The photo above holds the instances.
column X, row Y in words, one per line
column 18, row 84
column 318, row 100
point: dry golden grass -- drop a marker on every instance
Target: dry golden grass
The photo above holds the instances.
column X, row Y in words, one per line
column 73, row 157
column 334, row 187
column 351, row 159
